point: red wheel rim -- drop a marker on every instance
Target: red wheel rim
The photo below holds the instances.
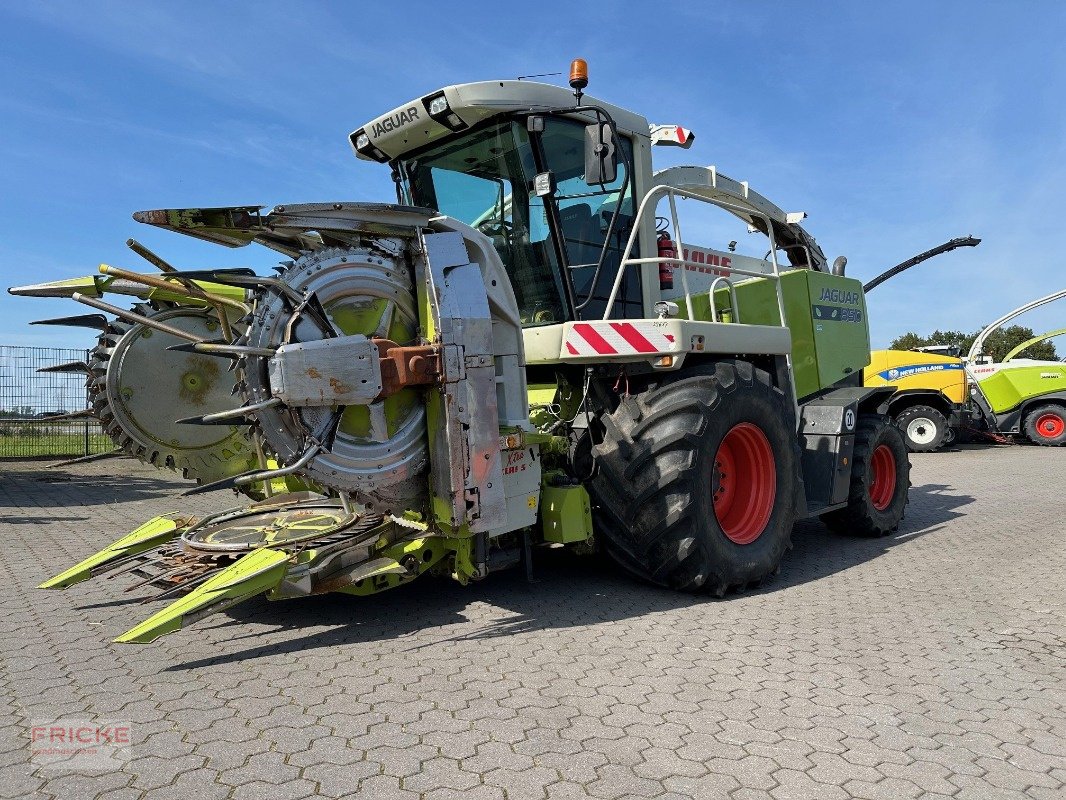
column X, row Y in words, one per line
column 1050, row 426
column 883, row 477
column 744, row 484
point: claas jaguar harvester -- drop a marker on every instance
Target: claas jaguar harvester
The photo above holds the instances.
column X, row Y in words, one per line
column 1020, row 396
column 513, row 354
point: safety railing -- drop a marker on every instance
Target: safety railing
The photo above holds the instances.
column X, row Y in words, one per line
column 650, row 204
column 734, row 306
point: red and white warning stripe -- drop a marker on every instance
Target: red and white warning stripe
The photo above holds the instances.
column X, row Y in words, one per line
column 617, row 338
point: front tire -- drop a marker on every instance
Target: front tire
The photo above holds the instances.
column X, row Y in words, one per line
column 924, row 428
column 880, row 481
column 1046, row 426
column 697, row 477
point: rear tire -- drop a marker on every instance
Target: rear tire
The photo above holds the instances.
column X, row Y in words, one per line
column 950, row 435
column 880, row 481
column 924, row 428
column 1046, row 426
column 697, row 478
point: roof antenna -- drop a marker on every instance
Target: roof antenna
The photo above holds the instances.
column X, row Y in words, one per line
column 538, row 75
column 579, row 77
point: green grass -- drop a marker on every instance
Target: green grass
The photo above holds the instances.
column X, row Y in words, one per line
column 59, row 444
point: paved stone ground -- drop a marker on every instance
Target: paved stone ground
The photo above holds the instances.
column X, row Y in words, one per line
column 929, row 664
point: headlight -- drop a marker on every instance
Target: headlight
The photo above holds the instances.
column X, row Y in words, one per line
column 438, row 105
column 360, row 140
column 438, row 109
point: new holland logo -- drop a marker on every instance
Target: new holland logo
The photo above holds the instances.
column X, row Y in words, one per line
column 896, row 373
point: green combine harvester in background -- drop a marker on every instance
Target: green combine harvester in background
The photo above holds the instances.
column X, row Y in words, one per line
column 514, row 354
column 1020, row 396
column 937, row 392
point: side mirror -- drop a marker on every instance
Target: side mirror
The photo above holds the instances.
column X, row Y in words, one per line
column 601, row 158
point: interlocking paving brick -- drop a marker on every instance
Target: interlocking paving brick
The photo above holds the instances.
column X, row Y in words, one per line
column 926, row 664
column 341, row 780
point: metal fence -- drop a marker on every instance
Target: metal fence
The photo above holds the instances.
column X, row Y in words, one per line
column 30, row 401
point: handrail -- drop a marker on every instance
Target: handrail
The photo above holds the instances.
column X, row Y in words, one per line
column 734, row 305
column 672, row 192
column 654, row 194
column 670, row 260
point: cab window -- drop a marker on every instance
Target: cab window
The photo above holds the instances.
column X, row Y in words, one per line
column 585, row 213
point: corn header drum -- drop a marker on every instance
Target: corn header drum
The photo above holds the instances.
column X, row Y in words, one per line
column 382, row 365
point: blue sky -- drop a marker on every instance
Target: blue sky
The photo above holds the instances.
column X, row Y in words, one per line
column 895, row 125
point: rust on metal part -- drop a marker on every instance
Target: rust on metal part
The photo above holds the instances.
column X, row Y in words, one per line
column 339, row 387
column 153, row 217
column 415, row 365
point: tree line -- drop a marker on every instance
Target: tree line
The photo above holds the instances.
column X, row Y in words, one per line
column 1000, row 342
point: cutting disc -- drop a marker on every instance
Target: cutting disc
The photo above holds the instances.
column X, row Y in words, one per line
column 245, row 529
column 379, row 450
column 139, row 389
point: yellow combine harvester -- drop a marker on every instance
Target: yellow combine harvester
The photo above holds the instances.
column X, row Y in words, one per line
column 932, row 389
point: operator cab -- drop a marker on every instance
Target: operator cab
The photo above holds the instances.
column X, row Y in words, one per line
column 486, row 179
column 551, row 179
column 510, row 158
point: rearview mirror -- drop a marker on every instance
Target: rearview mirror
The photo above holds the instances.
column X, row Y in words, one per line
column 601, row 159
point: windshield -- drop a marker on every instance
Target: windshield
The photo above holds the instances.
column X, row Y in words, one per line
column 485, row 179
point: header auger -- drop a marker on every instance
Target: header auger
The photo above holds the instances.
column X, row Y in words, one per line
column 508, row 356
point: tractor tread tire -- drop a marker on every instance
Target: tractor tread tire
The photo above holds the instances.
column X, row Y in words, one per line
column 652, row 486
column 904, row 418
column 951, row 436
column 1034, row 436
column 859, row 517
